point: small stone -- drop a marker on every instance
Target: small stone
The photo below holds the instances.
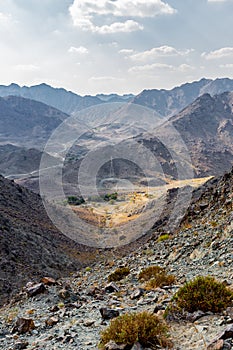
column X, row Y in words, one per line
column 93, row 291
column 136, row 294
column 204, row 205
column 111, row 288
column 23, row 325
column 113, row 346
column 228, row 333
column 51, row 321
column 108, row 314
column 20, row 345
column 88, row 323
column 48, row 281
column 35, row 289
column 68, row 295
column 137, row 346
column 64, row 294
column 54, row 308
column 217, row 345
column 158, row 308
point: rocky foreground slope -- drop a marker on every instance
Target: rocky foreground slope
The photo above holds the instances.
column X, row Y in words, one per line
column 71, row 312
column 30, row 245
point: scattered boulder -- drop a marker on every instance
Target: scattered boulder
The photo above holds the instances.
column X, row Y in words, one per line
column 20, row 345
column 88, row 323
column 136, row 294
column 35, row 289
column 68, row 295
column 64, row 294
column 23, row 325
column 48, row 281
column 111, row 288
column 113, row 346
column 108, row 314
column 51, row 321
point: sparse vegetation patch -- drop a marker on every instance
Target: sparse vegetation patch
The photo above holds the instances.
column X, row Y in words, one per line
column 118, row 274
column 146, row 328
column 203, row 293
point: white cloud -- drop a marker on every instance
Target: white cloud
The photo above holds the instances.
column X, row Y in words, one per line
column 150, row 67
column 185, row 68
column 119, row 27
column 26, row 67
column 160, row 66
column 217, row 54
column 84, row 11
column 80, row 50
column 161, row 51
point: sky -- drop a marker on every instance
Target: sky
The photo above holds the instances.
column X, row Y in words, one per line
column 114, row 46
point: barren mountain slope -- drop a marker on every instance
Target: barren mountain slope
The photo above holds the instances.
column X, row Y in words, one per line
column 30, row 245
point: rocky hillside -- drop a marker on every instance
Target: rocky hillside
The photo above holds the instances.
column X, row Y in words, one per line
column 170, row 102
column 206, row 128
column 30, row 245
column 71, row 312
column 27, row 122
column 19, row 161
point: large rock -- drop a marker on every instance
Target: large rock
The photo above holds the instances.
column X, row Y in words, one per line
column 108, row 314
column 35, row 289
column 23, row 325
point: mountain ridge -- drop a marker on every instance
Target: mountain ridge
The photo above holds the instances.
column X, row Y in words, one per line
column 205, row 126
column 170, row 102
column 166, row 102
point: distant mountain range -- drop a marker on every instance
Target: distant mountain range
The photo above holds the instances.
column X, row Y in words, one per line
column 164, row 102
column 64, row 100
column 205, row 124
column 170, row 102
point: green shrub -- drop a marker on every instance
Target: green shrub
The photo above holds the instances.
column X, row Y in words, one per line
column 146, row 328
column 110, row 196
column 156, row 276
column 149, row 272
column 73, row 200
column 203, row 293
column 118, row 274
column 163, row 238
